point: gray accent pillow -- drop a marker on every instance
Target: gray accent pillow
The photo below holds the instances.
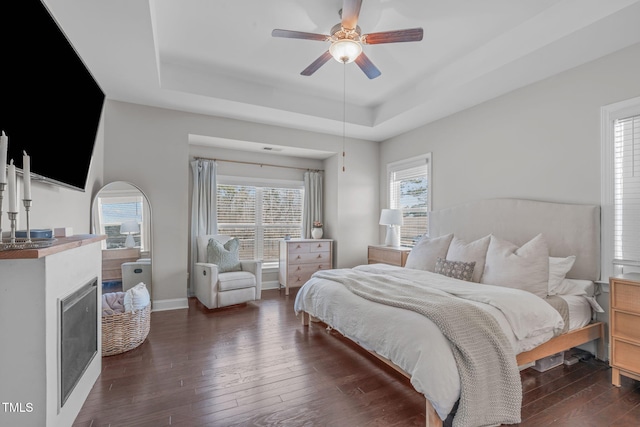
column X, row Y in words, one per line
column 225, row 256
column 456, row 269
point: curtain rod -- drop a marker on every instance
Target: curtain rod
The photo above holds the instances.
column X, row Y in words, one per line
column 259, row 164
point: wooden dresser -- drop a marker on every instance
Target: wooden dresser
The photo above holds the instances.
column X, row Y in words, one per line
column 388, row 255
column 300, row 258
column 112, row 260
column 624, row 326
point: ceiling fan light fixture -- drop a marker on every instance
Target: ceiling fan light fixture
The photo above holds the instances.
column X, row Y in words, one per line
column 345, row 50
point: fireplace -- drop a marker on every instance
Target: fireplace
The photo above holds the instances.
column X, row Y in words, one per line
column 78, row 335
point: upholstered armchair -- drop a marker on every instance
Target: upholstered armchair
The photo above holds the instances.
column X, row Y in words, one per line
column 214, row 289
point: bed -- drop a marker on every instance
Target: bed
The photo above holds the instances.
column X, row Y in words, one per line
column 417, row 320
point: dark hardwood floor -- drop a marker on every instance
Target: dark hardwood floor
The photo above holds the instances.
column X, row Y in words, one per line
column 254, row 365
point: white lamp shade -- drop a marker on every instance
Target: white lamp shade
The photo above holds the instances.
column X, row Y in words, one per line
column 345, row 51
column 391, row 217
column 129, row 227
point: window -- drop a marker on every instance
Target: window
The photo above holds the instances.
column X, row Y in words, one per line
column 620, row 187
column 259, row 214
column 626, row 167
column 410, row 190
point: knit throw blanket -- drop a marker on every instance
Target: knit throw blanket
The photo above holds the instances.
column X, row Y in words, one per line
column 491, row 391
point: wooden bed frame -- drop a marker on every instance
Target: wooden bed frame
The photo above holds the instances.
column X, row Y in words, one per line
column 569, row 229
column 593, row 331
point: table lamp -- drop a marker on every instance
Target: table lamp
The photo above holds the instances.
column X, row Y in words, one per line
column 130, row 228
column 392, row 218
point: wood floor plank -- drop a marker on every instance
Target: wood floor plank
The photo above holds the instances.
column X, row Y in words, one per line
column 254, row 365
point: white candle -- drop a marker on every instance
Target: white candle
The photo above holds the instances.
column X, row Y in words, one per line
column 13, row 205
column 4, row 145
column 26, row 175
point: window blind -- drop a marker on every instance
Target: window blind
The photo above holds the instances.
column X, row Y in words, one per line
column 259, row 216
column 409, row 191
column 627, row 189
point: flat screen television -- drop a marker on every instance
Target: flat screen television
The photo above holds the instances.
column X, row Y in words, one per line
column 50, row 104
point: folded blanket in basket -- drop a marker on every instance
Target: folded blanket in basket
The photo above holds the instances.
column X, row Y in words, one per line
column 112, row 303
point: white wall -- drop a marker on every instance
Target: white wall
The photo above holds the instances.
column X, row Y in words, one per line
column 352, row 215
column 149, row 147
column 540, row 142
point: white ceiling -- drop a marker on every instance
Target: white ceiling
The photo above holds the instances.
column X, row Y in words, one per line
column 218, row 57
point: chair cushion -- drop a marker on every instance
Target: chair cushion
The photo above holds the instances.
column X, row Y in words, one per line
column 236, row 280
column 225, row 256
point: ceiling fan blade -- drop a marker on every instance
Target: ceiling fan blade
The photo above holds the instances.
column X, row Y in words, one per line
column 397, row 36
column 313, row 67
column 350, row 13
column 367, row 66
column 298, row 35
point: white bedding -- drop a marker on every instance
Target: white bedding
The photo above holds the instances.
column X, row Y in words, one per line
column 419, row 348
column 579, row 311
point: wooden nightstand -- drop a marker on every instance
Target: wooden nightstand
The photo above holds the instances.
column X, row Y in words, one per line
column 392, row 255
column 624, row 326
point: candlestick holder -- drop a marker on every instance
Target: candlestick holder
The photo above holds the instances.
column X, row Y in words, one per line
column 2, row 186
column 15, row 243
column 13, row 216
column 27, row 208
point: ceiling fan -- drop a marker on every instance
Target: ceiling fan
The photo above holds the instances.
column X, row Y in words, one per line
column 346, row 40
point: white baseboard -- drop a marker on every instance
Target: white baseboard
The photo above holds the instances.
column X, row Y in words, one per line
column 273, row 284
column 170, row 304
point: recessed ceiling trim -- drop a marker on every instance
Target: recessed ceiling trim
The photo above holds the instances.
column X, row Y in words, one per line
column 258, row 147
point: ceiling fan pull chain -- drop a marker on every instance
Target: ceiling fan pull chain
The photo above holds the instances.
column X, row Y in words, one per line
column 344, row 113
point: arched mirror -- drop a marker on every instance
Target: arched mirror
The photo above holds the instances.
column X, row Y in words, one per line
column 122, row 212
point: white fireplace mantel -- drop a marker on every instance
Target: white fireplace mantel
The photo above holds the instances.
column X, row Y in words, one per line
column 32, row 282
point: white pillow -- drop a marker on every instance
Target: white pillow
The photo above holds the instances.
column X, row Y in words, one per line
column 136, row 298
column 426, row 252
column 459, row 250
column 525, row 267
column 558, row 269
column 585, row 288
column 576, row 287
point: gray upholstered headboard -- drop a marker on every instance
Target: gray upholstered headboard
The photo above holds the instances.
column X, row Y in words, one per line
column 569, row 229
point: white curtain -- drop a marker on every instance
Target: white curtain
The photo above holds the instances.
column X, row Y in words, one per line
column 312, row 201
column 204, row 218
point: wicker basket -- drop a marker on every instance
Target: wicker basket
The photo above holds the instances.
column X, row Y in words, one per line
column 125, row 331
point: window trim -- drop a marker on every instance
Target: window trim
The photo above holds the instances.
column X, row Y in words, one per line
column 608, row 114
